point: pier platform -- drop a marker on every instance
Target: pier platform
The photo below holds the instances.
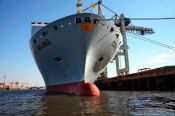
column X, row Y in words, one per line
column 159, row 79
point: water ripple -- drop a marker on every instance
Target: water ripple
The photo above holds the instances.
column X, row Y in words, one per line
column 110, row 103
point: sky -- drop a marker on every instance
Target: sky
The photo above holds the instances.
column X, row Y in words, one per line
column 17, row 63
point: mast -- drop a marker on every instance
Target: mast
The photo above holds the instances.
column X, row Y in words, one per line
column 79, row 6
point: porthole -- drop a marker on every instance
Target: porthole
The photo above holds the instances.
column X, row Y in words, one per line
column 88, row 19
column 55, row 27
column 78, row 20
column 96, row 21
column 112, row 29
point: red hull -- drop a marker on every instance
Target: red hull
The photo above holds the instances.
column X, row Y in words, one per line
column 77, row 88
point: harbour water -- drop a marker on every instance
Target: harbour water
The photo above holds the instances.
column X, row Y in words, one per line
column 110, row 103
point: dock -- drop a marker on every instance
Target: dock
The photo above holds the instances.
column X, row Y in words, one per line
column 159, row 79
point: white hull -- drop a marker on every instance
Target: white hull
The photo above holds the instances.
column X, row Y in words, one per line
column 68, row 54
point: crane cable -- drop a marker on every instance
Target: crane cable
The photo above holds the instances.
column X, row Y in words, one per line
column 141, row 37
column 110, row 10
column 151, row 41
column 167, row 18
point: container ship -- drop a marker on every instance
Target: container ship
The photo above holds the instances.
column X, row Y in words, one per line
column 72, row 51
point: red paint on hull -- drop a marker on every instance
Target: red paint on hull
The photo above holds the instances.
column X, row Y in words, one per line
column 77, row 88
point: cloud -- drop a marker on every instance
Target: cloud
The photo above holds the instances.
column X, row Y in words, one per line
column 162, row 59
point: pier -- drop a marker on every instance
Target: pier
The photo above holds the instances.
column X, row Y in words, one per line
column 159, row 79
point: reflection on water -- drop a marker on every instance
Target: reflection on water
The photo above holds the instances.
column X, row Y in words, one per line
column 71, row 105
column 110, row 103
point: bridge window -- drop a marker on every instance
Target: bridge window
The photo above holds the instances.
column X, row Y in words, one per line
column 78, row 20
